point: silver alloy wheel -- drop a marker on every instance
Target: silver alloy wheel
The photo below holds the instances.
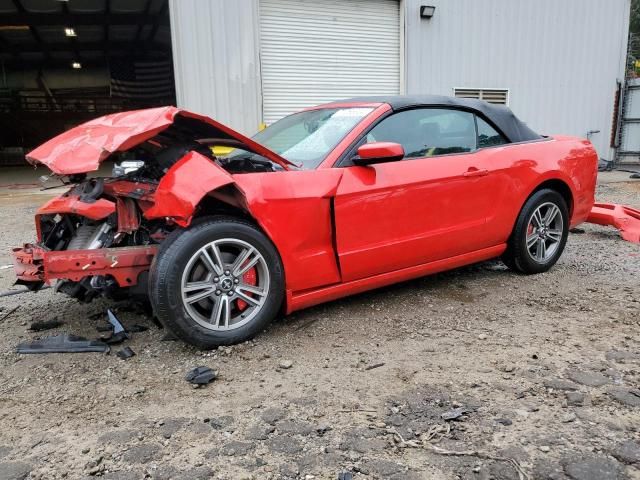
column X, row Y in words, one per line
column 544, row 232
column 218, row 287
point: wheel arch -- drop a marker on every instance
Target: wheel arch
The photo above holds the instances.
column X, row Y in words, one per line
column 559, row 186
column 228, row 201
column 555, row 183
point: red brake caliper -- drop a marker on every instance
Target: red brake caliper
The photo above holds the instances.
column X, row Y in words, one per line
column 249, row 278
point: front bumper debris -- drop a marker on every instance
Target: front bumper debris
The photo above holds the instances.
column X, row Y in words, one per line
column 35, row 265
column 625, row 219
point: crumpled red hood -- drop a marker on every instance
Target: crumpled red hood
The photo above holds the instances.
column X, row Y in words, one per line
column 84, row 147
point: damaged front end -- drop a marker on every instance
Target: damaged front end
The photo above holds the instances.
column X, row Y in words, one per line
column 100, row 237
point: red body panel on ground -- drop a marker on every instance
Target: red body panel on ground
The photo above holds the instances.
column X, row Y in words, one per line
column 625, row 219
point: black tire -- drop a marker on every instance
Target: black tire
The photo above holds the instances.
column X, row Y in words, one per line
column 165, row 280
column 517, row 257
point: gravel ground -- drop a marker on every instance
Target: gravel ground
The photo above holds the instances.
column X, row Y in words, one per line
column 544, row 372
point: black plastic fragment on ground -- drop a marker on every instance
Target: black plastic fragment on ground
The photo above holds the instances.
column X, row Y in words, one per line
column 115, row 339
column 200, row 376
column 45, row 325
column 64, row 343
column 125, row 353
column 118, row 334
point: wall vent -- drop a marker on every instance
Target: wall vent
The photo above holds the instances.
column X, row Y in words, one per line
column 498, row 96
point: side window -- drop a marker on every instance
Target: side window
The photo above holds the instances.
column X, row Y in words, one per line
column 427, row 132
column 487, row 135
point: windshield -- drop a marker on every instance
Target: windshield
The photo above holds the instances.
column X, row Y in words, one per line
column 306, row 138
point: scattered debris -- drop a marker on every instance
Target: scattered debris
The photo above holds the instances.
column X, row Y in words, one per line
column 634, row 175
column 113, row 320
column 624, row 218
column 577, row 230
column 125, row 353
column 64, row 343
column 200, row 376
column 456, row 413
column 118, row 334
column 9, row 313
column 115, row 339
column 45, row 325
column 375, row 365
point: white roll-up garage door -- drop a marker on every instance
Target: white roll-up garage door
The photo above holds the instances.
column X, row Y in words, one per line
column 317, row 51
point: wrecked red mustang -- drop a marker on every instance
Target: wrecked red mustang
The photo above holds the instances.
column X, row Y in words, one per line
column 331, row 201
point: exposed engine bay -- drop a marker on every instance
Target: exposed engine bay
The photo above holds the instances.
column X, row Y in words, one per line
column 117, row 214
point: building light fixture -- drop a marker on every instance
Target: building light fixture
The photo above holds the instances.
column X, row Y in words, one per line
column 76, row 65
column 70, row 32
column 427, row 11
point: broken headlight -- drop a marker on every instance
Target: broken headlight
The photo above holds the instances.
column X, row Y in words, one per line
column 127, row 166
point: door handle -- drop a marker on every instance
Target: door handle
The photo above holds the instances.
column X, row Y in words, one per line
column 474, row 172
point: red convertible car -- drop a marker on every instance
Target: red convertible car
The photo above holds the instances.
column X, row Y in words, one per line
column 331, row 201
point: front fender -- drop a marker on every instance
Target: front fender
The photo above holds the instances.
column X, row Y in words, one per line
column 184, row 186
column 293, row 208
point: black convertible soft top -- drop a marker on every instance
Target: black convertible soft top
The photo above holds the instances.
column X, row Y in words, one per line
column 499, row 115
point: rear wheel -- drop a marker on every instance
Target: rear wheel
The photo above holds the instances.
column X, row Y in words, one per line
column 217, row 283
column 540, row 233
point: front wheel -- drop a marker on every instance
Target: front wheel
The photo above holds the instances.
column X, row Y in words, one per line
column 219, row 282
column 540, row 233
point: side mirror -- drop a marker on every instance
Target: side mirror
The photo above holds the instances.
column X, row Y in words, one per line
column 378, row 152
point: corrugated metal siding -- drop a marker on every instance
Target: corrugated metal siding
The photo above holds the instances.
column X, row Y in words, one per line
column 559, row 59
column 316, row 51
column 216, row 60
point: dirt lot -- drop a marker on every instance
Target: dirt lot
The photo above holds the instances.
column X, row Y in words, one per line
column 547, row 368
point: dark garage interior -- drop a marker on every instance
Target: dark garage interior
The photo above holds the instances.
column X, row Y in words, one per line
column 65, row 62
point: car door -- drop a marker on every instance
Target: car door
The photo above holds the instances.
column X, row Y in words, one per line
column 429, row 206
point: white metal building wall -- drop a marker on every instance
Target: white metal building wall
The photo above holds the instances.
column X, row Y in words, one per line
column 317, row 51
column 559, row 59
column 216, row 60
